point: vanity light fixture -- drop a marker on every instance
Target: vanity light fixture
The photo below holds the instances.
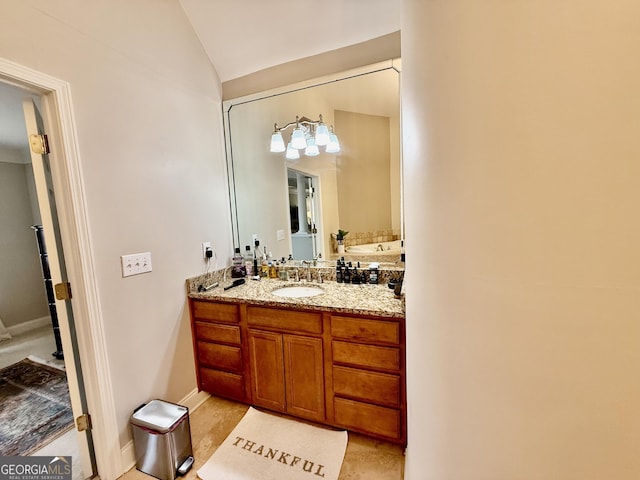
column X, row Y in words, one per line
column 334, row 145
column 292, row 153
column 307, row 135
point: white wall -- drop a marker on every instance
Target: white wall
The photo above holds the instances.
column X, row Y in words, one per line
column 521, row 127
column 22, row 291
column 364, row 170
column 147, row 109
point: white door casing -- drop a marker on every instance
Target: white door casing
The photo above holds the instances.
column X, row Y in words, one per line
column 46, row 205
column 74, row 229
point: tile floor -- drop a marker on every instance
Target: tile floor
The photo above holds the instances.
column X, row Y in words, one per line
column 365, row 458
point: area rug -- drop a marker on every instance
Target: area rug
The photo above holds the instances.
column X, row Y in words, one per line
column 267, row 447
column 34, row 407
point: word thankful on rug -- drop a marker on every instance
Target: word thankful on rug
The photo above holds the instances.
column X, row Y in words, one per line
column 267, row 447
column 34, row 407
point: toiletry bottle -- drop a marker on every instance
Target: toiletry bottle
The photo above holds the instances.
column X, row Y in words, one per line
column 346, row 274
column 355, row 278
column 264, row 265
column 373, row 275
column 238, row 269
column 273, row 269
column 248, row 260
column 361, row 274
column 339, row 271
column 256, row 256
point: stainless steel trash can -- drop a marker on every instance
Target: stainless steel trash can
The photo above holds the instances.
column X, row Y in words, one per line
column 162, row 439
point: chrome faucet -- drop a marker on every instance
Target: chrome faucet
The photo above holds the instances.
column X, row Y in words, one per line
column 308, row 264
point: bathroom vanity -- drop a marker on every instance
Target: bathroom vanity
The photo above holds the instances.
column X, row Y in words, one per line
column 337, row 358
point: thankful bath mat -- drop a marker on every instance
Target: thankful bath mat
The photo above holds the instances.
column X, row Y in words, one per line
column 267, row 447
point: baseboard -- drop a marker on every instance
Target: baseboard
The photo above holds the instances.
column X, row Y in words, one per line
column 192, row 401
column 29, row 325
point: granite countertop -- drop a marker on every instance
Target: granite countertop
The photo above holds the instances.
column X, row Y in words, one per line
column 363, row 299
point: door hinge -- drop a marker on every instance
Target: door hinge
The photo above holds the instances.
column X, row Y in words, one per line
column 83, row 422
column 39, row 144
column 63, row 291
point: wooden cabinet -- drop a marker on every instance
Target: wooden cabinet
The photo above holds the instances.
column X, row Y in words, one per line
column 342, row 370
column 287, row 372
column 368, row 376
column 218, row 349
column 266, row 358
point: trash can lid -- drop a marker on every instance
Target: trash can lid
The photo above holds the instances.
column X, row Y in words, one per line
column 158, row 415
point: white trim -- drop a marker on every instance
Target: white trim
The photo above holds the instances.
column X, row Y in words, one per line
column 192, row 401
column 89, row 325
column 29, row 325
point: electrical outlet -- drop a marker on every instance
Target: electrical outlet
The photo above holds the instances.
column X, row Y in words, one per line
column 205, row 246
column 280, row 234
column 136, row 263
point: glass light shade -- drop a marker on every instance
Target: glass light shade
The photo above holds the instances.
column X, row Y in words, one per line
column 334, row 145
column 277, row 143
column 297, row 138
column 312, row 149
column 292, row 153
column 322, row 134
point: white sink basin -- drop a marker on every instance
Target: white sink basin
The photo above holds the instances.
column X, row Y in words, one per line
column 298, row 291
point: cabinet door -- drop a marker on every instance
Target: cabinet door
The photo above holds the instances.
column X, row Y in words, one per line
column 267, row 369
column 304, row 377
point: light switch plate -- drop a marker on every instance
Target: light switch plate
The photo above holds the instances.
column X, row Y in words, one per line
column 136, row 263
column 280, row 234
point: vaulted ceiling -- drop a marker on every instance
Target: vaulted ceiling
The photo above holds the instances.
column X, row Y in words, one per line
column 245, row 36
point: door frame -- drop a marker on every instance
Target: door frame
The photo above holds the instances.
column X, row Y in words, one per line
column 76, row 243
column 316, row 205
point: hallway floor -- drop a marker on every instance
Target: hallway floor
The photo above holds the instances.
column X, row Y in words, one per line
column 365, row 458
column 40, row 343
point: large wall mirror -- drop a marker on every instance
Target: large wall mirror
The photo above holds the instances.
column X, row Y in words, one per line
column 296, row 207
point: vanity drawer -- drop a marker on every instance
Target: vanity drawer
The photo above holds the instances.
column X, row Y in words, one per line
column 223, row 384
column 365, row 330
column 218, row 333
column 381, row 421
column 215, row 312
column 379, row 388
column 384, row 358
column 288, row 320
column 220, row 356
